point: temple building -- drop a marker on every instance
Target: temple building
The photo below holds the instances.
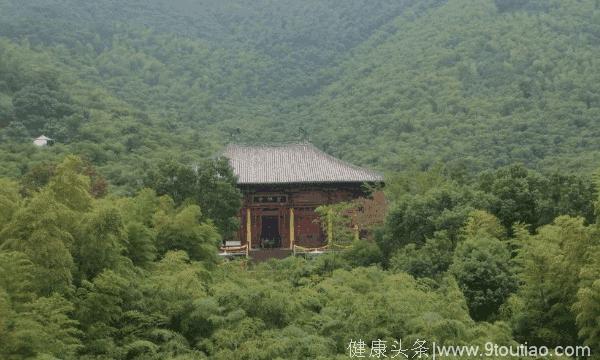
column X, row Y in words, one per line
column 283, row 185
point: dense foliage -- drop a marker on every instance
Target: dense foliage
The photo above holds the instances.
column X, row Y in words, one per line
column 483, row 114
column 392, row 84
column 138, row 278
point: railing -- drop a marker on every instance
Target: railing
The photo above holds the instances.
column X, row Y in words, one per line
column 305, row 250
column 318, row 250
column 231, row 251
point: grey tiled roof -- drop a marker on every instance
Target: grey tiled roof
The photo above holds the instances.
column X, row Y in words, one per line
column 298, row 163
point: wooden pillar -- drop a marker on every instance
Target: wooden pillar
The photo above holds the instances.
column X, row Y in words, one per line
column 248, row 228
column 329, row 227
column 292, row 235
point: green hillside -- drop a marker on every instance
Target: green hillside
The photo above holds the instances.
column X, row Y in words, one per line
column 484, row 116
column 178, row 84
column 391, row 85
column 472, row 86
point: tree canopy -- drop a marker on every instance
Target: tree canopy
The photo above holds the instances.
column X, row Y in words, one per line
column 483, row 115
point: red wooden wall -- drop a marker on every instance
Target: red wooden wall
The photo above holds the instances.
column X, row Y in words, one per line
column 268, row 201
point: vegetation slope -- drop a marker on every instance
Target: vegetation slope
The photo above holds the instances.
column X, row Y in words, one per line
column 483, row 115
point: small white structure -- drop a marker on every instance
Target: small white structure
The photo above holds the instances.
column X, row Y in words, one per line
column 43, row 141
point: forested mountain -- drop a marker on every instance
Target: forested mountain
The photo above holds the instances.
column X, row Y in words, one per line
column 287, row 41
column 475, row 84
column 483, row 115
column 177, row 82
column 391, row 84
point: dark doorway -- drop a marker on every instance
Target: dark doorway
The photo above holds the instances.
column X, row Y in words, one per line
column 269, row 236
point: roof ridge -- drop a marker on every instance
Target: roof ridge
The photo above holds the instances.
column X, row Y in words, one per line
column 271, row 145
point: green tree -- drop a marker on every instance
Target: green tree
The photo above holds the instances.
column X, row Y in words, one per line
column 102, row 307
column 140, row 243
column 10, row 201
column 38, row 229
column 35, row 106
column 16, row 131
column 363, row 252
column 210, row 184
column 516, row 194
column 16, row 278
column 70, row 186
column 43, row 329
column 549, row 268
column 587, row 306
column 336, row 223
column 432, row 259
column 140, row 208
column 482, row 269
column 481, row 222
column 37, row 177
column 32, row 326
column 175, row 292
column 182, row 230
column 100, row 241
column 566, row 195
column 415, row 218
